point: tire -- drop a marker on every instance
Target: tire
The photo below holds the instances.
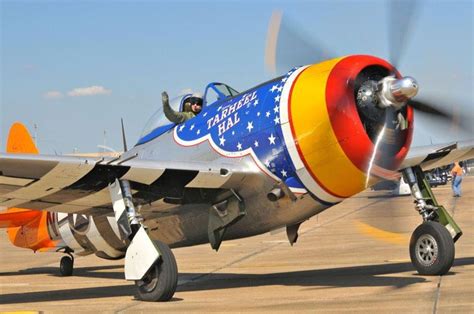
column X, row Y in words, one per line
column 160, row 282
column 66, row 266
column 431, row 249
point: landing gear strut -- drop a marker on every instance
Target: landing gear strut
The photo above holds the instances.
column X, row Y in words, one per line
column 432, row 243
column 150, row 263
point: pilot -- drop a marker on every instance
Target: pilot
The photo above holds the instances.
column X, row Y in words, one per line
column 192, row 105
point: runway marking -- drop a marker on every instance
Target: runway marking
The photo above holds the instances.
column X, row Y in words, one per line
column 21, row 312
column 379, row 234
column 229, row 244
column 438, row 293
column 438, row 287
column 13, row 285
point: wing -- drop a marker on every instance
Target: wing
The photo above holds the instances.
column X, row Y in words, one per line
column 80, row 185
column 434, row 156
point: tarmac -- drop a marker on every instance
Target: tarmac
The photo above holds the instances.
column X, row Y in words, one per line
column 351, row 258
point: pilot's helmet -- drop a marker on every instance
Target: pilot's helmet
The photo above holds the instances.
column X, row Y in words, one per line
column 196, row 98
column 196, row 103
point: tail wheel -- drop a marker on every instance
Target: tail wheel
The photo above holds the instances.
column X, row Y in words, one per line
column 159, row 283
column 66, row 266
column 431, row 249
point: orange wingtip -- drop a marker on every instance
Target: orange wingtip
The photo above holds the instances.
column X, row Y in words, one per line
column 17, row 217
column 20, row 141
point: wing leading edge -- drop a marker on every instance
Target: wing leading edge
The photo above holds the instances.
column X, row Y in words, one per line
column 77, row 184
column 434, row 156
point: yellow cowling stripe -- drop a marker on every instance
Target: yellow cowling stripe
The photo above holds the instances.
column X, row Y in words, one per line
column 315, row 137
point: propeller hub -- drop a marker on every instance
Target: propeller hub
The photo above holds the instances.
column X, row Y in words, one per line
column 395, row 92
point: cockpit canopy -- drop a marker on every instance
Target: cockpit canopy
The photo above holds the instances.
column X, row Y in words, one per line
column 218, row 91
column 158, row 123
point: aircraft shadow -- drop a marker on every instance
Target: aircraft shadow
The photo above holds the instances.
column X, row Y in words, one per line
column 90, row 272
column 357, row 276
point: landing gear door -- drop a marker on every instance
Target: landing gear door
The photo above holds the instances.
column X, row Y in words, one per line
column 216, row 91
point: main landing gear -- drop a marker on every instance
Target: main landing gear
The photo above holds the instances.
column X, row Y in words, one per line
column 150, row 263
column 159, row 283
column 432, row 242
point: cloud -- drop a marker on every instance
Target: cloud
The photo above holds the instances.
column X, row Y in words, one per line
column 53, row 94
column 89, row 91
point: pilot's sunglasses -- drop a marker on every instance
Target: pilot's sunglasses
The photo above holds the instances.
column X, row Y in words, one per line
column 196, row 101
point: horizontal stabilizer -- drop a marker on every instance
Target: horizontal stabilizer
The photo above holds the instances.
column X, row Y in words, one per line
column 17, row 217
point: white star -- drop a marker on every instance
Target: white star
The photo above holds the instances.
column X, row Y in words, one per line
column 233, row 132
column 192, row 127
column 274, row 88
column 255, row 103
column 255, row 143
column 239, row 146
column 276, row 120
column 283, row 173
column 221, row 141
column 250, row 126
column 181, row 128
column 258, row 114
column 284, row 79
column 272, row 139
column 267, row 163
column 277, row 98
column 276, row 109
column 198, row 132
column 267, row 114
column 280, row 88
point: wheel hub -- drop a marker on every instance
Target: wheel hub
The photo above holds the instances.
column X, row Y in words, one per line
column 426, row 250
column 149, row 282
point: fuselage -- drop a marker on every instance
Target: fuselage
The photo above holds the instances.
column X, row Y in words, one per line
column 302, row 132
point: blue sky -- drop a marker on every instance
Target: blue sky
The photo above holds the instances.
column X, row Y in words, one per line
column 75, row 68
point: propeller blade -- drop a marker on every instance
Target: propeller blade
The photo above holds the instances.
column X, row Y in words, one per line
column 402, row 13
column 384, row 139
column 456, row 118
column 287, row 46
column 426, row 108
column 271, row 41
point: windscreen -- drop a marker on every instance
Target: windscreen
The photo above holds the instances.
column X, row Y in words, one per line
column 159, row 119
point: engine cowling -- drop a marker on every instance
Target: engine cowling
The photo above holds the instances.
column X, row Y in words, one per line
column 339, row 143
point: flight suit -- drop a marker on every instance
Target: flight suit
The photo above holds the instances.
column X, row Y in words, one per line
column 174, row 116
